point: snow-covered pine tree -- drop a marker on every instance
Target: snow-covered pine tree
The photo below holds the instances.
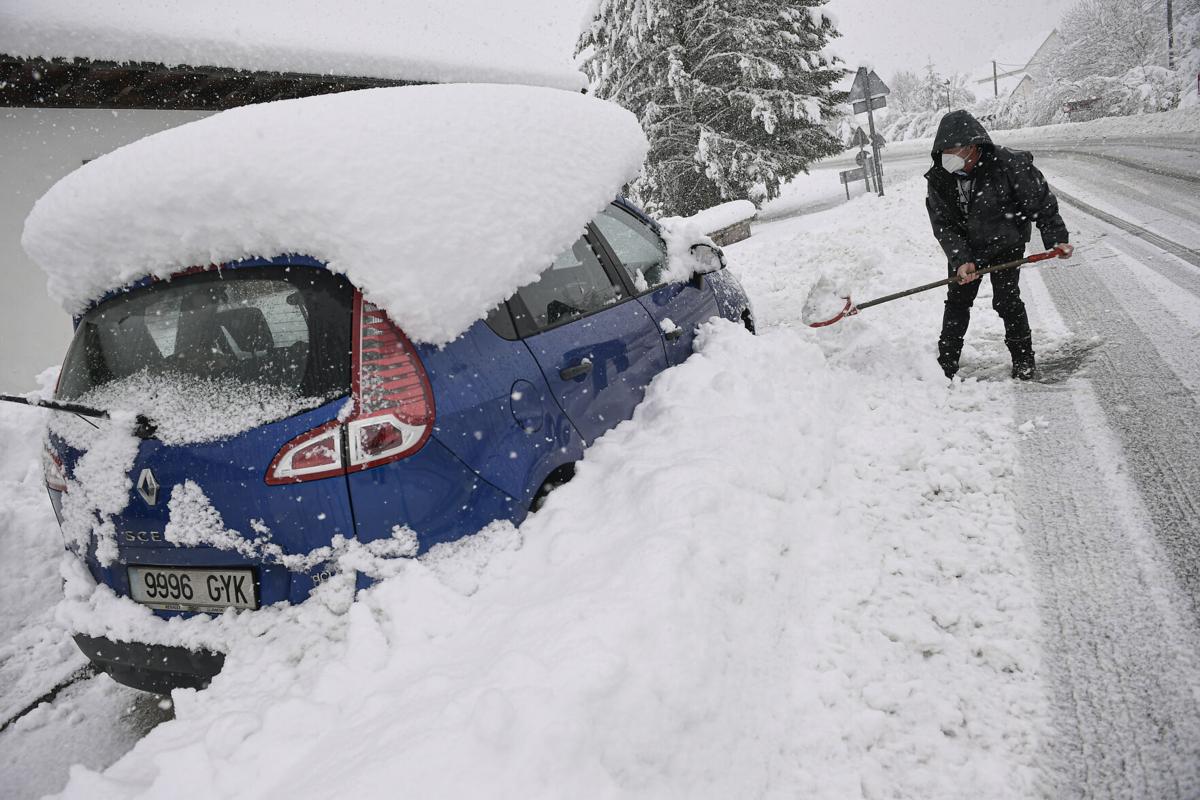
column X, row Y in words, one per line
column 731, row 93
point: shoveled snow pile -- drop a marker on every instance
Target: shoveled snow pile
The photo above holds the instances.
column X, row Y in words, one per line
column 796, row 572
column 438, row 201
column 411, row 40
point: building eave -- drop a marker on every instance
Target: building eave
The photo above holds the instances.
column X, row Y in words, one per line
column 85, row 83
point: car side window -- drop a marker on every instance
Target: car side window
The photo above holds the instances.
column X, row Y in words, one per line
column 576, row 284
column 641, row 251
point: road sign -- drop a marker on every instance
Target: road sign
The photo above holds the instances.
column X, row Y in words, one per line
column 850, row 175
column 859, row 138
column 867, row 94
column 860, row 106
column 860, row 157
column 867, row 85
column 853, row 175
column 877, row 140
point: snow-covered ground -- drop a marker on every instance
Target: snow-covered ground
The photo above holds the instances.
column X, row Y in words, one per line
column 807, row 567
column 813, row 584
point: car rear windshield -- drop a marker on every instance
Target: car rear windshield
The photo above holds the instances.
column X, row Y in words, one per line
column 283, row 329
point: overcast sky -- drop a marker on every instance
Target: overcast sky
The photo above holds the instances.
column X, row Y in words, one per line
column 891, row 35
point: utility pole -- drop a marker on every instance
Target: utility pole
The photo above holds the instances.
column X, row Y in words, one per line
column 1170, row 38
column 996, row 80
column 948, row 94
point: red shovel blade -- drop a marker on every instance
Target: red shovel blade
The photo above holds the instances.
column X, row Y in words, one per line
column 847, row 311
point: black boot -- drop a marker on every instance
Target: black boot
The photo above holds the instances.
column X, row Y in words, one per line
column 948, row 353
column 1024, row 367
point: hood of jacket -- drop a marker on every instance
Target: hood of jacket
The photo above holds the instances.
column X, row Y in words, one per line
column 959, row 129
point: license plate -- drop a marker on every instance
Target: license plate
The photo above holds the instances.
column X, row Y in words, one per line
column 179, row 589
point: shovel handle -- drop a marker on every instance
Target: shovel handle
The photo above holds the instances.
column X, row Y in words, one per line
column 954, row 279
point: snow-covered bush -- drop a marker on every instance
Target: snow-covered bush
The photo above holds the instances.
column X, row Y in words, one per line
column 1115, row 52
column 1141, row 90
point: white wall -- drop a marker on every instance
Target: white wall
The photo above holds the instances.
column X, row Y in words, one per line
column 37, row 147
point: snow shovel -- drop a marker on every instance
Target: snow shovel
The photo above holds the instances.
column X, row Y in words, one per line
column 852, row 308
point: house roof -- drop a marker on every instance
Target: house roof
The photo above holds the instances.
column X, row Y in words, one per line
column 1005, row 86
column 1012, row 56
column 381, row 41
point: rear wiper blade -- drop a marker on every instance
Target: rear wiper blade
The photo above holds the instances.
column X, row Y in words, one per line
column 57, row 405
column 145, row 428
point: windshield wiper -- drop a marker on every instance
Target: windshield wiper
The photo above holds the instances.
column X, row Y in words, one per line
column 145, row 428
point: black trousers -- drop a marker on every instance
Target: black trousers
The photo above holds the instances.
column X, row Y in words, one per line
column 1006, row 299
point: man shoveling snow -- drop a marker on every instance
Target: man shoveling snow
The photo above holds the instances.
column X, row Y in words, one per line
column 982, row 201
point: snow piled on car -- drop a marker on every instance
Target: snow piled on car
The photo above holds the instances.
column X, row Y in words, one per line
column 796, row 572
column 184, row 408
column 437, row 201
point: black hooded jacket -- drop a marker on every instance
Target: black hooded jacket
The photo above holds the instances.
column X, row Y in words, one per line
column 1009, row 193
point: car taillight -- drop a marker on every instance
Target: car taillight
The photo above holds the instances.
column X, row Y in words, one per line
column 52, row 470
column 392, row 413
column 312, row 455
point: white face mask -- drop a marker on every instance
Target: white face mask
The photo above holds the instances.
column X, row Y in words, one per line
column 953, row 163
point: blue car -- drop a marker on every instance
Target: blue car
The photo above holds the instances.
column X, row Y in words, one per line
column 436, row 441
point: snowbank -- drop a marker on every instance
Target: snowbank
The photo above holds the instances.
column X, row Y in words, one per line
column 813, row 585
column 438, row 201
column 1182, row 122
column 412, row 40
column 714, row 219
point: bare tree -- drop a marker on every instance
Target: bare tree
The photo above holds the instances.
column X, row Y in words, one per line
column 904, row 86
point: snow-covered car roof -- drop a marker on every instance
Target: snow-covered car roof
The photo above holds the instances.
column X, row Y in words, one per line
column 437, row 201
column 411, row 40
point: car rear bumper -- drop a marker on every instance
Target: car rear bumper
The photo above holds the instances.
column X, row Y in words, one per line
column 151, row 667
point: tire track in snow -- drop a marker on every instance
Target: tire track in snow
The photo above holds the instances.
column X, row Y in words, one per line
column 1153, row 411
column 1112, row 498
column 1121, row 653
column 1179, row 251
column 1125, row 162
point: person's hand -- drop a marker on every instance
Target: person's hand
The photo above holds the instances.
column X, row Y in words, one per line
column 966, row 273
column 1064, row 250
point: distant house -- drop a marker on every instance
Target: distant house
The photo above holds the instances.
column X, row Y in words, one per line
column 79, row 78
column 1016, row 67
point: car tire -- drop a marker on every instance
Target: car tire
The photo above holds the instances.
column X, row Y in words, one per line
column 558, row 476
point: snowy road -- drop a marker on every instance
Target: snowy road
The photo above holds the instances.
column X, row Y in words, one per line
column 1111, row 485
column 1110, row 454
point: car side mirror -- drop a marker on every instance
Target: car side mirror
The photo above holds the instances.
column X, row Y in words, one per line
column 708, row 258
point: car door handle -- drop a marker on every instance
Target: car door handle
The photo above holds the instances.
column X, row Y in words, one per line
column 672, row 335
column 580, row 369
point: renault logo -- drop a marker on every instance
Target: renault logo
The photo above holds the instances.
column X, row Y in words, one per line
column 147, row 487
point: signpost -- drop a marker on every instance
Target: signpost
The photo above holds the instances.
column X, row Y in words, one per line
column 867, row 94
column 850, row 175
